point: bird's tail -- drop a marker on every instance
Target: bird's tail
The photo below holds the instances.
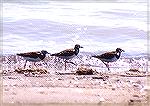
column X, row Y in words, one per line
column 94, row 56
column 53, row 54
column 19, row 54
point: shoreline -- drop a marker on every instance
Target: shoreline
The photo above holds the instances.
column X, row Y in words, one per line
column 59, row 87
column 73, row 89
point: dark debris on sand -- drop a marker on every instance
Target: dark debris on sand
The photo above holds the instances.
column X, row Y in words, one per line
column 85, row 71
column 27, row 72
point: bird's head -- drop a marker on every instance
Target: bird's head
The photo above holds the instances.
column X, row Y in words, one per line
column 78, row 46
column 119, row 50
column 44, row 52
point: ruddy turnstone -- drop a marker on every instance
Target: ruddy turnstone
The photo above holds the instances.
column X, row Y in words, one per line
column 68, row 53
column 109, row 56
column 33, row 56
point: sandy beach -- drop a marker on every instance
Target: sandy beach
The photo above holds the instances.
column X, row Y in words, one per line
column 60, row 87
column 73, row 89
column 114, row 31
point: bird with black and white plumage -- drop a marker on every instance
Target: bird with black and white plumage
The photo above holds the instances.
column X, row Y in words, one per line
column 33, row 56
column 68, row 53
column 109, row 56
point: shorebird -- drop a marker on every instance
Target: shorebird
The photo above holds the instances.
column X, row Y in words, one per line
column 109, row 56
column 68, row 54
column 33, row 56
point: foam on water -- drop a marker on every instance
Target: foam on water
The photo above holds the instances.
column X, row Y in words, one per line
column 55, row 26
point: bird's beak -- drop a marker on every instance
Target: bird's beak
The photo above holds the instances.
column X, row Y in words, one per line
column 81, row 47
column 123, row 51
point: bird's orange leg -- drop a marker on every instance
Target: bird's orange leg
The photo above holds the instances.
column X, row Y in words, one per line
column 71, row 63
column 35, row 65
column 107, row 65
column 65, row 65
column 25, row 64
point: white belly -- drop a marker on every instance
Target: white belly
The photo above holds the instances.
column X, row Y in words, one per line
column 32, row 59
column 110, row 60
column 67, row 57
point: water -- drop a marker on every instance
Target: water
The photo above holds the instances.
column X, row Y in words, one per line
column 56, row 25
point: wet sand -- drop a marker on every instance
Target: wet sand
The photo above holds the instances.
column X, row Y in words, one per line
column 18, row 88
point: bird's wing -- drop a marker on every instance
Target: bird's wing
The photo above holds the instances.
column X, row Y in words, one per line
column 107, row 55
column 67, row 52
column 30, row 54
